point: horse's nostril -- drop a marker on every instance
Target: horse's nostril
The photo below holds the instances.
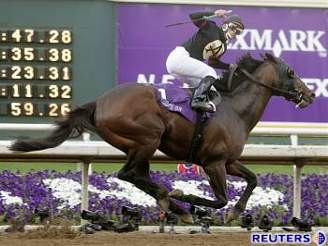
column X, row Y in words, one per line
column 312, row 95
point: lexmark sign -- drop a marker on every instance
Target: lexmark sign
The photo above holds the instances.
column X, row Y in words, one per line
column 298, row 35
column 278, row 42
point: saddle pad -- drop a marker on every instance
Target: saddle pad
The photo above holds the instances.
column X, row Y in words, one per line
column 176, row 99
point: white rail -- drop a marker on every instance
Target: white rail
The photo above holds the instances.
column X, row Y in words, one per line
column 87, row 151
column 261, row 129
column 262, row 3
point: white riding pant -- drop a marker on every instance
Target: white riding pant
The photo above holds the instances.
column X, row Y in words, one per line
column 188, row 69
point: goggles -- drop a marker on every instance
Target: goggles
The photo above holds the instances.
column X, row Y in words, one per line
column 235, row 27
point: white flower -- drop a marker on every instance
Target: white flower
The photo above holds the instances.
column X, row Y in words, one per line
column 260, row 197
column 130, row 192
column 9, row 199
column 191, row 187
column 67, row 190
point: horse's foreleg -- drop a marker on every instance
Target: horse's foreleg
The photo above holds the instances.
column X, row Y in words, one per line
column 238, row 169
column 161, row 195
column 217, row 179
column 217, row 175
column 195, row 200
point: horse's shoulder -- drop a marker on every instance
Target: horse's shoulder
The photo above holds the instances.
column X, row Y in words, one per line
column 129, row 85
column 133, row 87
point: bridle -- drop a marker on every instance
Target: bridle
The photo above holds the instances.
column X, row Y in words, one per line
column 289, row 95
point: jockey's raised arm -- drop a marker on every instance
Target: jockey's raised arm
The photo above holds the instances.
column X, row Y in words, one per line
column 199, row 18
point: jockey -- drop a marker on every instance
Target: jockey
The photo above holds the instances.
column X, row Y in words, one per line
column 209, row 43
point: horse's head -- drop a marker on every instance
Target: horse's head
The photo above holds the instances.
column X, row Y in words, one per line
column 275, row 74
column 288, row 84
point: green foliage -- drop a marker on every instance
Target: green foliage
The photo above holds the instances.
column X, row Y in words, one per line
column 114, row 167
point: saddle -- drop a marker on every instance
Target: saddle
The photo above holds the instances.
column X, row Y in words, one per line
column 177, row 99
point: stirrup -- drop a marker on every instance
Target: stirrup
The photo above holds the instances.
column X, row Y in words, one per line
column 213, row 107
column 204, row 106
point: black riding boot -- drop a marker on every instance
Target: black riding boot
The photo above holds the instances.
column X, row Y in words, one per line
column 200, row 99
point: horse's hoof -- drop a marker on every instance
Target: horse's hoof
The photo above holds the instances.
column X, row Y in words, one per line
column 187, row 219
column 230, row 216
column 176, row 193
column 164, row 204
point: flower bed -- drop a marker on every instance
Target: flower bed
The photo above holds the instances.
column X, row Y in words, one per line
column 21, row 194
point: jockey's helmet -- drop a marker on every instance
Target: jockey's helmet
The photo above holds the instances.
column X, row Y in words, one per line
column 235, row 19
column 233, row 26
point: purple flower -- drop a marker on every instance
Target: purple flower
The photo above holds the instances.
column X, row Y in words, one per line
column 35, row 194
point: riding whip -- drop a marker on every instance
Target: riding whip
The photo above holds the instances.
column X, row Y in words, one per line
column 199, row 19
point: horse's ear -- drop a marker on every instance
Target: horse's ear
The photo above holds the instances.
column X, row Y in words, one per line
column 263, row 56
column 270, row 57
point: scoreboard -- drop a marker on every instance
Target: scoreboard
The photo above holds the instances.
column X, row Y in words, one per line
column 35, row 72
column 48, row 59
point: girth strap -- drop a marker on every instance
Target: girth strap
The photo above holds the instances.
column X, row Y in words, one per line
column 197, row 137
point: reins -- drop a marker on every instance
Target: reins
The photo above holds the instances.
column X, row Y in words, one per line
column 277, row 91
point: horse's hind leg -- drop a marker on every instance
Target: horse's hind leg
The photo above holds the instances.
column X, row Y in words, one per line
column 144, row 182
column 238, row 169
column 137, row 172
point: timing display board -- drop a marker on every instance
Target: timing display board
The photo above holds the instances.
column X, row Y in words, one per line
column 52, row 58
column 36, row 72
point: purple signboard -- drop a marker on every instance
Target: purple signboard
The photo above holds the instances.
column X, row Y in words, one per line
column 298, row 35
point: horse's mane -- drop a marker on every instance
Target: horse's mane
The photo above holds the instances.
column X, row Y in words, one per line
column 246, row 62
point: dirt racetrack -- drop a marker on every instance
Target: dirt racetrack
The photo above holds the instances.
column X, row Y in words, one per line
column 133, row 238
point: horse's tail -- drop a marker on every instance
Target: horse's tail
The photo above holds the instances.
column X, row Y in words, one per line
column 76, row 121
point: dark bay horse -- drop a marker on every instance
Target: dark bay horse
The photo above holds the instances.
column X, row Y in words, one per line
column 130, row 118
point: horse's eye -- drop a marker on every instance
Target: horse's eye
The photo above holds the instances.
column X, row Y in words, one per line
column 290, row 73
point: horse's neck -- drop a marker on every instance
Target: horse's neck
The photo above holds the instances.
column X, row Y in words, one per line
column 249, row 102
